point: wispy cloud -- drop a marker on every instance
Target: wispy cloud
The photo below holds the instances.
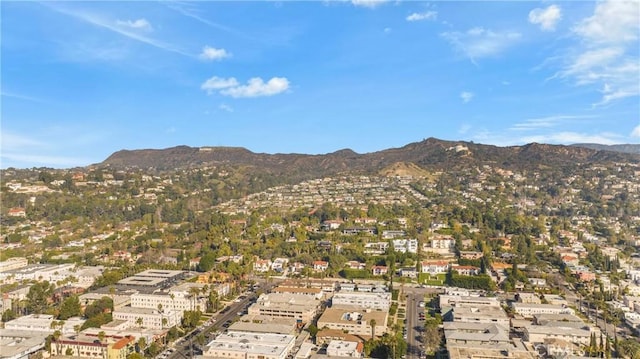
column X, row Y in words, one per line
column 13, row 141
column 189, row 10
column 478, row 42
column 225, row 107
column 101, row 22
column 606, row 55
column 213, row 54
column 467, row 96
column 140, row 24
column 545, row 122
column 568, row 137
column 635, row 133
column 5, row 93
column 464, row 129
column 371, row 4
column 547, row 18
column 420, row 16
column 255, row 87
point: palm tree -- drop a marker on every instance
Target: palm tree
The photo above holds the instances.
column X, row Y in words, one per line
column 161, row 315
column 139, row 322
column 373, row 323
column 76, row 328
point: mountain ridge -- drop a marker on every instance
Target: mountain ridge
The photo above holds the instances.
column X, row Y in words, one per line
column 430, row 154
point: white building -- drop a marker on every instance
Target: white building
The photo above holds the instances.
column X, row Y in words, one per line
column 405, row 245
column 245, row 345
column 528, row 310
column 13, row 263
column 341, row 348
column 374, row 300
column 147, row 318
column 354, row 320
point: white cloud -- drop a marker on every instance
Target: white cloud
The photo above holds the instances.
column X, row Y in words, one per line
column 217, row 83
column 255, row 87
column 387, row 30
column 546, row 18
column 636, row 132
column 225, row 107
column 100, row 21
column 464, row 129
column 606, row 56
column 419, row 16
column 478, row 42
column 466, row 96
column 612, row 22
column 568, row 138
column 12, row 141
column 368, row 3
column 213, row 54
column 140, row 24
column 545, row 122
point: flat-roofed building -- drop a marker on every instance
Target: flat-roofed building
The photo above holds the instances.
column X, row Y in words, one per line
column 467, row 333
column 119, row 301
column 147, row 317
column 42, row 323
column 315, row 293
column 300, row 307
column 178, row 298
column 569, row 332
column 528, row 310
column 264, row 324
column 447, row 300
column 37, row 272
column 21, row 344
column 354, row 320
column 245, row 345
column 161, row 273
column 513, row 350
column 344, row 349
column 13, row 263
column 363, row 300
column 479, row 314
column 528, row 298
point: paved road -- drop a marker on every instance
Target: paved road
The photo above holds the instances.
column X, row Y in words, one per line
column 183, row 345
column 414, row 325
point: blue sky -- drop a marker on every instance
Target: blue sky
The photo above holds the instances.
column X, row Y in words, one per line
column 81, row 80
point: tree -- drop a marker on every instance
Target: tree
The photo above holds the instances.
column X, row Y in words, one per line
column 70, row 308
column 372, row 324
column 39, row 296
column 139, row 322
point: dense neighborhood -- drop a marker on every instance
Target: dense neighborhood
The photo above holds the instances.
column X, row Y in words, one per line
column 113, row 263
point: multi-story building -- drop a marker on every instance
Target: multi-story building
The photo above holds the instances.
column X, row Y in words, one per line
column 528, row 310
column 354, row 320
column 92, row 347
column 246, row 345
column 344, row 349
column 13, row 263
column 373, row 300
column 147, row 317
column 405, row 245
column 300, row 307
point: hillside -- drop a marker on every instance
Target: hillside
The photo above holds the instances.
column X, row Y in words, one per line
column 429, row 154
column 624, row 148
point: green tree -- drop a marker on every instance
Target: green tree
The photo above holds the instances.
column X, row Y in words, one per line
column 39, row 296
column 70, row 308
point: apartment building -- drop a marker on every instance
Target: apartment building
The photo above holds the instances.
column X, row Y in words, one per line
column 528, row 310
column 300, row 307
column 147, row 317
column 354, row 320
column 370, row 300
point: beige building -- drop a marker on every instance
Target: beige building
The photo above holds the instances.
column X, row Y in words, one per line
column 91, row 347
column 376, row 301
column 300, row 307
column 528, row 310
column 354, row 320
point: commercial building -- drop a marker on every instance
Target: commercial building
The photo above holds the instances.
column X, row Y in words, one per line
column 244, row 345
column 370, row 300
column 264, row 324
column 528, row 310
column 354, row 320
column 20, row 344
column 300, row 307
column 13, row 263
column 41, row 323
